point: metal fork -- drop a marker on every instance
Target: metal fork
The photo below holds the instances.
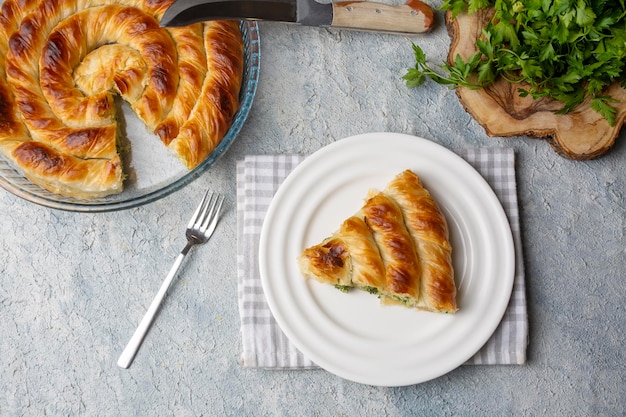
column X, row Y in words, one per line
column 199, row 231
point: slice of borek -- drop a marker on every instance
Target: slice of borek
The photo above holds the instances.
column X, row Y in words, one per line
column 396, row 246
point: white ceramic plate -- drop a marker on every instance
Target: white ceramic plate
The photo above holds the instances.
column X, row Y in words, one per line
column 351, row 335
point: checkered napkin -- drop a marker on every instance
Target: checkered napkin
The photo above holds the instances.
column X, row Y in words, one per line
column 264, row 344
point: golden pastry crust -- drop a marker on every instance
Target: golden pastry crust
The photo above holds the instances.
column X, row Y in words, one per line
column 396, row 246
column 429, row 230
column 349, row 258
column 68, row 44
column 47, row 165
column 397, row 249
column 328, row 262
column 67, row 59
column 368, row 271
column 212, row 116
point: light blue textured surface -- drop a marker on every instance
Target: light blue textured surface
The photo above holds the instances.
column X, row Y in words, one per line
column 74, row 286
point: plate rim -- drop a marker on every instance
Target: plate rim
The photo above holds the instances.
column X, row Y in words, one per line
column 507, row 248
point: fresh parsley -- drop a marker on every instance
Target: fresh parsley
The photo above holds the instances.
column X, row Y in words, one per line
column 569, row 50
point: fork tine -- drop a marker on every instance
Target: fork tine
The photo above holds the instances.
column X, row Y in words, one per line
column 211, row 221
column 206, row 212
column 196, row 213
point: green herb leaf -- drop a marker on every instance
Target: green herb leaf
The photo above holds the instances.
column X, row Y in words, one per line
column 602, row 106
column 570, row 50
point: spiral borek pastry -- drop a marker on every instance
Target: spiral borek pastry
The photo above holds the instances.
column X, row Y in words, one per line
column 62, row 62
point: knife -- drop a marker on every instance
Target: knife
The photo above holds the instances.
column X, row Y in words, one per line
column 413, row 17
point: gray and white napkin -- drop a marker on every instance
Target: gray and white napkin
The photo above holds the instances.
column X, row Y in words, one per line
column 265, row 345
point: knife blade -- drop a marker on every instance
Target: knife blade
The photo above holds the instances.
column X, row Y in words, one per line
column 411, row 18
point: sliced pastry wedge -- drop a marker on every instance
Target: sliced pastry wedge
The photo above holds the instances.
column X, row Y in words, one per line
column 396, row 246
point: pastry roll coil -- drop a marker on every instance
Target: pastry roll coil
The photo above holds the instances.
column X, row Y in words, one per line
column 67, row 60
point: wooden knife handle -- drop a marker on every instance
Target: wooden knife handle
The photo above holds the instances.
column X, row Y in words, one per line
column 413, row 17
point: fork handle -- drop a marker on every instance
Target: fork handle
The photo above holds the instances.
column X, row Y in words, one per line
column 127, row 356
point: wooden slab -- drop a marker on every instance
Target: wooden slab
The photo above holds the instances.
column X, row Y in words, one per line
column 581, row 134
